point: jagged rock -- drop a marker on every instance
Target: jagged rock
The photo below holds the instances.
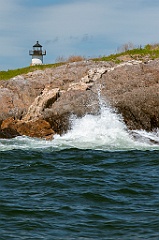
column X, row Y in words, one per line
column 40, row 104
column 94, row 74
column 19, row 93
column 8, row 129
column 76, row 102
column 37, row 128
column 134, row 91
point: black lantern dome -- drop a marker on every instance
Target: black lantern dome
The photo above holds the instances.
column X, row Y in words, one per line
column 37, row 44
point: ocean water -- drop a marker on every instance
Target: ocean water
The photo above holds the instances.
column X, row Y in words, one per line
column 95, row 182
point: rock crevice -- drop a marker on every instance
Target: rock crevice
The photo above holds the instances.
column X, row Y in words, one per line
column 39, row 104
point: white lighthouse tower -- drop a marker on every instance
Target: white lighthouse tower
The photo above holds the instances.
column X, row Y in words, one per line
column 37, row 54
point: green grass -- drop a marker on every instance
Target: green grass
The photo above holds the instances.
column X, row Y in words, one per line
column 5, row 75
column 149, row 51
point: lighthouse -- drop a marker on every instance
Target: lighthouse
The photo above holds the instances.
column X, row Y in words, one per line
column 37, row 54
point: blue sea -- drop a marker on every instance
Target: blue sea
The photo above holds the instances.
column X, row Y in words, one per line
column 95, row 182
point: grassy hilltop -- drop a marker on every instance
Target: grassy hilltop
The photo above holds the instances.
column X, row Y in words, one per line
column 127, row 52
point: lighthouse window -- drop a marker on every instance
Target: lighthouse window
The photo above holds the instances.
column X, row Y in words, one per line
column 37, row 48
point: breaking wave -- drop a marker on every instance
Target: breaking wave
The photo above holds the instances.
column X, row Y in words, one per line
column 105, row 131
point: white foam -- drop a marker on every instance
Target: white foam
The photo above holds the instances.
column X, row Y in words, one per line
column 105, row 131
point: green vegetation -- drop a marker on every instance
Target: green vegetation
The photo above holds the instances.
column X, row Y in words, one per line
column 148, row 52
column 5, row 75
column 126, row 52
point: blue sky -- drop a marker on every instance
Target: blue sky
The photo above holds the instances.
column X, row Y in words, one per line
column 89, row 28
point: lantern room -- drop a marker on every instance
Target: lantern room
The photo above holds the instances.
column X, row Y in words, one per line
column 37, row 54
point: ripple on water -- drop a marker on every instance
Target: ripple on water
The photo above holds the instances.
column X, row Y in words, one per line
column 75, row 194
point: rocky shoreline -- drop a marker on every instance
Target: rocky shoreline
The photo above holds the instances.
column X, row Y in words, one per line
column 40, row 103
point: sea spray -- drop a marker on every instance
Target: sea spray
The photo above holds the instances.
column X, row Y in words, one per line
column 105, row 131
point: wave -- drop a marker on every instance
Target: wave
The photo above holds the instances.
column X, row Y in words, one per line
column 105, row 131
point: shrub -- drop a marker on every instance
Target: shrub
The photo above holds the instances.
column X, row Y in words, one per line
column 126, row 47
column 154, row 46
column 60, row 59
column 75, row 59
